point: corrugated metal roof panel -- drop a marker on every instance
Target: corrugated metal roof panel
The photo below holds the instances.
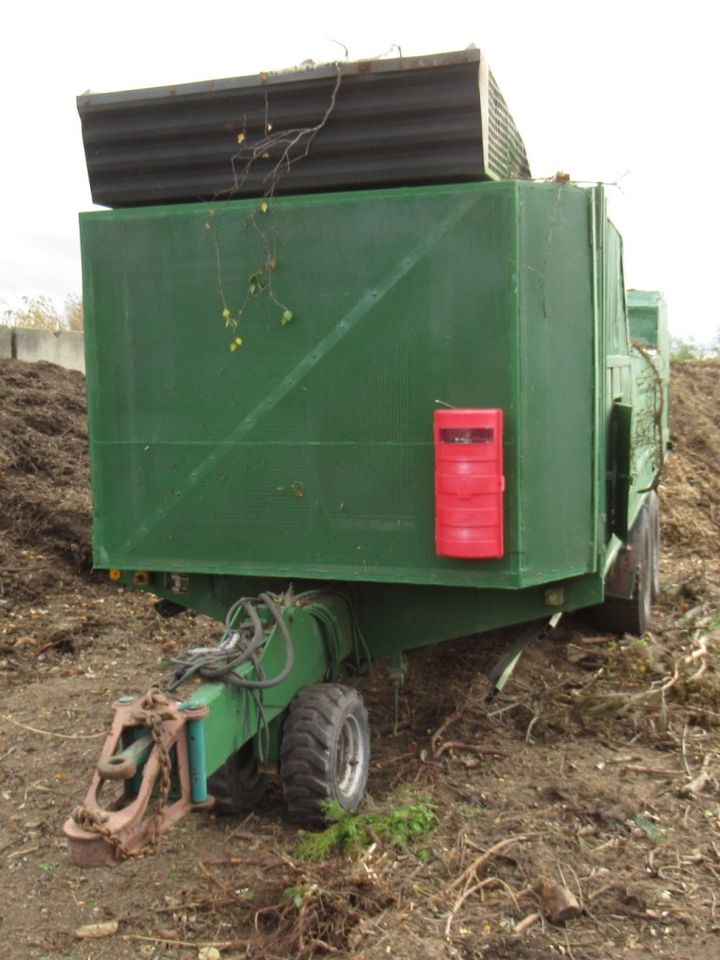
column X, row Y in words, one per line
column 422, row 120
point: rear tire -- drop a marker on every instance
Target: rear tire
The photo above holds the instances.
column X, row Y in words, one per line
column 325, row 752
column 238, row 785
column 656, row 540
column 633, row 614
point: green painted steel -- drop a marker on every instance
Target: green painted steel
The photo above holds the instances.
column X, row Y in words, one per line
column 647, row 316
column 235, row 715
column 197, row 759
column 307, row 452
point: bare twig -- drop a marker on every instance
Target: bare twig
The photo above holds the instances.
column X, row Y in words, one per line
column 532, row 723
column 435, row 739
column 218, row 944
column 520, row 929
column 51, row 733
column 483, row 859
column 226, row 888
column 683, row 748
column 469, row 747
column 461, row 900
column 698, row 783
column 651, row 771
column 623, row 703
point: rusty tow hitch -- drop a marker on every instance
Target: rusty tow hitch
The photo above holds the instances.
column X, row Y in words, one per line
column 151, row 772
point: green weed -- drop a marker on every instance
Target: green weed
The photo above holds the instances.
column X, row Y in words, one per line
column 348, row 832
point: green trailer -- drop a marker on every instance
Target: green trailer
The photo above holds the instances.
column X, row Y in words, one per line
column 263, row 375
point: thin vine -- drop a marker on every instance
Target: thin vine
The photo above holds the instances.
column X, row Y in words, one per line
column 295, row 145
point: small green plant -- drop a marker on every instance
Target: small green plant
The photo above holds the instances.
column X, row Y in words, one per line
column 298, row 893
column 348, row 832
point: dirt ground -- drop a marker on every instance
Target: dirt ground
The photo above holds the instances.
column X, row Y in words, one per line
column 597, row 768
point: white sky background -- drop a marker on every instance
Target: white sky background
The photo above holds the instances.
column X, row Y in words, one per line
column 601, row 90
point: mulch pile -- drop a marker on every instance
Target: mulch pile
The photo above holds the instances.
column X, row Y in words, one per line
column 50, row 598
column 44, row 479
column 690, row 491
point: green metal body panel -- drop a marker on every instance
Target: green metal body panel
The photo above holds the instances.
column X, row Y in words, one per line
column 308, row 452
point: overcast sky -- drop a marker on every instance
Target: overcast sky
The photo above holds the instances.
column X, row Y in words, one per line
column 614, row 92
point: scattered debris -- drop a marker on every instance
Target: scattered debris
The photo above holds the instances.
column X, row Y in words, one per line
column 94, row 931
column 558, row 902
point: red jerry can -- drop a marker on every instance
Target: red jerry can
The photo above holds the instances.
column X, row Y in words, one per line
column 469, row 483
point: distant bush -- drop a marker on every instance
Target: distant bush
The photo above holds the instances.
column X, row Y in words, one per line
column 690, row 349
column 41, row 313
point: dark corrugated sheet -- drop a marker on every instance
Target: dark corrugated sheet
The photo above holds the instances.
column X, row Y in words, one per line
column 422, row 120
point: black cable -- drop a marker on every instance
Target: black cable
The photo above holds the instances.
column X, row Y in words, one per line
column 220, row 663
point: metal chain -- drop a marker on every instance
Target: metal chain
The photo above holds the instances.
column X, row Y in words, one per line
column 154, row 705
column 154, row 700
column 92, row 821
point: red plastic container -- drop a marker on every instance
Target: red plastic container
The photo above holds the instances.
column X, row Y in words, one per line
column 469, row 483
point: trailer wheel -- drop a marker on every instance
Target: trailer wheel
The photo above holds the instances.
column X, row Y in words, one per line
column 325, row 751
column 238, row 784
column 656, row 541
column 632, row 614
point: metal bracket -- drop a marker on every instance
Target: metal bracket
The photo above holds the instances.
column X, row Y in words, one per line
column 501, row 672
column 620, row 580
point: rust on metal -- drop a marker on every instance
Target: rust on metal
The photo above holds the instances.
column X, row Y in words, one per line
column 101, row 833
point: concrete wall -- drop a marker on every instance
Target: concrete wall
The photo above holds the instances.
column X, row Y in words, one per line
column 6, row 341
column 66, row 348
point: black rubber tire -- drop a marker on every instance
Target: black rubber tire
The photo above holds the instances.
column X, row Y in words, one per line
column 633, row 614
column 238, row 785
column 325, row 751
column 654, row 510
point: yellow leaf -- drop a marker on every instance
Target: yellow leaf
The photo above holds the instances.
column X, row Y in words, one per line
column 226, row 314
column 264, row 206
column 208, row 953
column 241, row 137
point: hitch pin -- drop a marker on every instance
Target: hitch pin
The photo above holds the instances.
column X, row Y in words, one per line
column 123, row 765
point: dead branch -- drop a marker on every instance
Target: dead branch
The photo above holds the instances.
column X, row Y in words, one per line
column 435, row 738
column 662, row 772
column 226, row 889
column 698, row 783
column 483, row 859
column 284, row 140
column 52, row 733
column 463, row 897
column 622, row 704
column 468, row 747
column 520, row 929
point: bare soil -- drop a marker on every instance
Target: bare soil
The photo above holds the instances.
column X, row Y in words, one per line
column 596, row 769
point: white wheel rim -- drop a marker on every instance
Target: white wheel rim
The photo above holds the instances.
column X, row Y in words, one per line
column 350, row 759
